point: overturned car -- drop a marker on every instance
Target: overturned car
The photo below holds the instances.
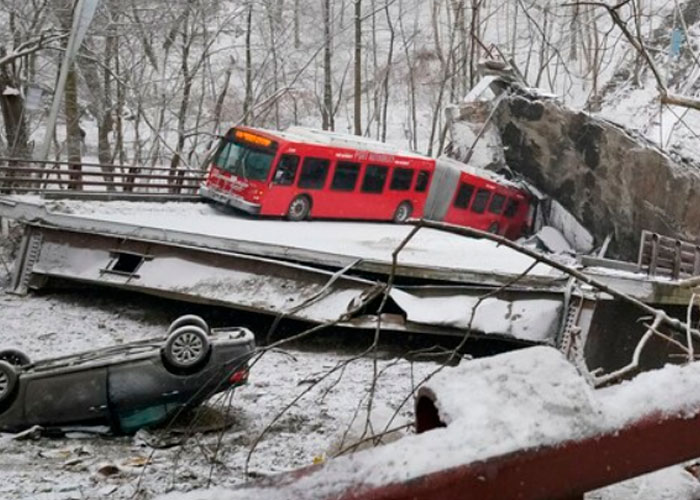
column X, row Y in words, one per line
column 128, row 386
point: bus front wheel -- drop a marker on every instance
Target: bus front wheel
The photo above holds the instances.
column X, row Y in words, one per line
column 299, row 208
column 403, row 212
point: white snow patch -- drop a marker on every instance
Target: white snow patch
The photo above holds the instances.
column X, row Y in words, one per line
column 494, row 406
column 535, row 320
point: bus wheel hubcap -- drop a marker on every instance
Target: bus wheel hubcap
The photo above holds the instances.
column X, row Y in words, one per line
column 402, row 213
column 298, row 207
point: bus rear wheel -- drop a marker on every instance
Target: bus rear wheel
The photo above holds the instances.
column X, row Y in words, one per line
column 299, row 208
column 403, row 212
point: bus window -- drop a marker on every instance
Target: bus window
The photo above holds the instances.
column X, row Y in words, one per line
column 480, row 201
column 464, row 195
column 497, row 202
column 375, row 178
column 422, row 181
column 313, row 173
column 286, row 170
column 401, row 179
column 345, row 176
column 511, row 208
column 243, row 161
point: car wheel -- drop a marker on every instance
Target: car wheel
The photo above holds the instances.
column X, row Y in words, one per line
column 299, row 209
column 14, row 357
column 189, row 319
column 8, row 380
column 403, row 212
column 186, row 348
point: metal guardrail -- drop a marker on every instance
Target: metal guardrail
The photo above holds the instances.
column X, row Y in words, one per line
column 665, row 256
column 87, row 180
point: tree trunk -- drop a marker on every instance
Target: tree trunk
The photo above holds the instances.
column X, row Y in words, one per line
column 387, row 73
column 248, row 101
column 73, row 130
column 358, row 68
column 13, row 116
column 297, row 39
column 327, row 109
column 104, row 123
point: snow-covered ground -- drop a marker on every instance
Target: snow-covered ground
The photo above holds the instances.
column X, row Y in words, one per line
column 88, row 466
column 68, row 321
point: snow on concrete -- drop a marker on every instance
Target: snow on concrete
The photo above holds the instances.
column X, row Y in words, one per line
column 368, row 241
column 498, row 405
column 535, row 320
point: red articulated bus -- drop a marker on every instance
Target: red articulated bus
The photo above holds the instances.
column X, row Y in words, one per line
column 478, row 198
column 301, row 172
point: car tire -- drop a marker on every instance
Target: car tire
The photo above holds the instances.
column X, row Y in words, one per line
column 14, row 357
column 403, row 212
column 8, row 380
column 186, row 349
column 299, row 209
column 189, row 319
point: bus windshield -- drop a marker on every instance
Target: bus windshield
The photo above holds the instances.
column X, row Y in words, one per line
column 243, row 161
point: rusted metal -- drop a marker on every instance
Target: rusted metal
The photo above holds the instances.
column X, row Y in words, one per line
column 85, row 183
column 563, row 471
column 30, row 176
column 20, row 161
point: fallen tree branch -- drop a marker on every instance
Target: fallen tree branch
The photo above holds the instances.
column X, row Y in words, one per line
column 677, row 100
column 634, row 363
column 636, row 41
column 674, row 323
column 660, row 316
column 690, row 282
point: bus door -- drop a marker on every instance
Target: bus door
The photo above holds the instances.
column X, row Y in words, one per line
column 282, row 187
column 373, row 202
column 343, row 191
column 497, row 223
column 482, row 217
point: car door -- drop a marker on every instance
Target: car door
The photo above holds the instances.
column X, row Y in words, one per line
column 59, row 397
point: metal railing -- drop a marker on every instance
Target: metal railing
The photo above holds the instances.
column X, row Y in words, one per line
column 62, row 179
column 665, row 256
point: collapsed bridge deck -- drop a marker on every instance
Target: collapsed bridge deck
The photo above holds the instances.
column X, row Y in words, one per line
column 314, row 271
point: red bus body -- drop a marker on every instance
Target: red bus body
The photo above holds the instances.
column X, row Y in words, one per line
column 347, row 177
column 478, row 198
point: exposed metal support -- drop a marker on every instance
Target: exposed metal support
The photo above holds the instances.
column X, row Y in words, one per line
column 30, row 250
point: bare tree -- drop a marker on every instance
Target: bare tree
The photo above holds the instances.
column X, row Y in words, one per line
column 357, row 100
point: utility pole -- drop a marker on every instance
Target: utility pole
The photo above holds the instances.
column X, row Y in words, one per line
column 82, row 16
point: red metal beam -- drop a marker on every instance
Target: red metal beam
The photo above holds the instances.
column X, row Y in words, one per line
column 562, row 472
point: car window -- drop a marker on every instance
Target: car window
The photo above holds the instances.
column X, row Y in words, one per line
column 401, row 179
column 345, row 176
column 511, row 207
column 481, row 200
column 422, row 181
column 313, row 173
column 496, row 205
column 375, row 178
column 286, row 170
column 464, row 195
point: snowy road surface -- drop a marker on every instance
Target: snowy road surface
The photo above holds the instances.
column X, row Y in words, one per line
column 357, row 240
